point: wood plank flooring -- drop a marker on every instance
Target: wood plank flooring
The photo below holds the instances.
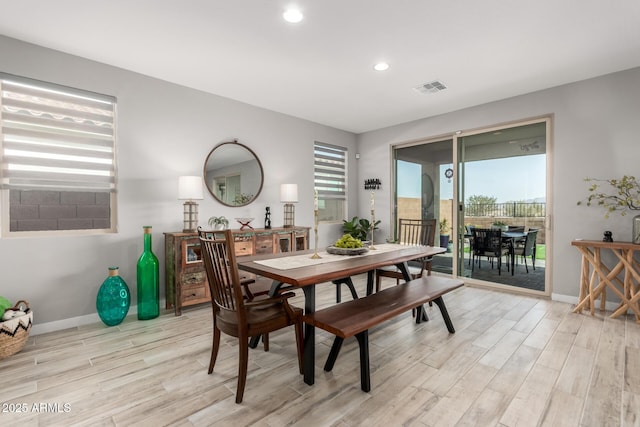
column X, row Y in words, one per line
column 514, row 361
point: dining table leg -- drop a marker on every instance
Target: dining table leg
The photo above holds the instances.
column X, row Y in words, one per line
column 309, row 356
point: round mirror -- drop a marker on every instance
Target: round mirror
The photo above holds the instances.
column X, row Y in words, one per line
column 233, row 174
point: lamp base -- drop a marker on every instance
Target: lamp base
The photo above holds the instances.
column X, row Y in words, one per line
column 289, row 215
column 190, row 217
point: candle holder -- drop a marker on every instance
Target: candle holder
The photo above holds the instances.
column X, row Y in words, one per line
column 315, row 230
column 373, row 226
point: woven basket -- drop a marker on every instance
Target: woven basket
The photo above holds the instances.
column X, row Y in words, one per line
column 14, row 333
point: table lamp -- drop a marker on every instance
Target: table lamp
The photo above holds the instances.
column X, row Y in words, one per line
column 289, row 196
column 190, row 189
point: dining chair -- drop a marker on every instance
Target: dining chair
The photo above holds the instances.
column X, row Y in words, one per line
column 411, row 232
column 489, row 243
column 528, row 249
column 233, row 313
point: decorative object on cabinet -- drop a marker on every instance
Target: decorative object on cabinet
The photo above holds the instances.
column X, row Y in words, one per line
column 114, row 299
column 289, row 196
column 190, row 189
column 267, row 218
column 14, row 332
column 626, row 195
column 233, row 174
column 186, row 282
column 244, row 223
column 148, row 280
column 218, row 222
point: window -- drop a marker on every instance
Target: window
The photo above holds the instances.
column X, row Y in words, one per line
column 330, row 180
column 58, row 158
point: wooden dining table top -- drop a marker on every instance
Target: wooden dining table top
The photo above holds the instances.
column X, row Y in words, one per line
column 346, row 266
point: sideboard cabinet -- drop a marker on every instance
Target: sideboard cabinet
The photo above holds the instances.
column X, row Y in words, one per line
column 186, row 278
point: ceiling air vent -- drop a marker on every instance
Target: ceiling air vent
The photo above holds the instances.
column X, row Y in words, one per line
column 431, row 87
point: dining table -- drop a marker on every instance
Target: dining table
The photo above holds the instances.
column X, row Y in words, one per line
column 307, row 269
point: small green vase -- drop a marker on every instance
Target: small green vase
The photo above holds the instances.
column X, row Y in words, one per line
column 113, row 299
column 148, row 280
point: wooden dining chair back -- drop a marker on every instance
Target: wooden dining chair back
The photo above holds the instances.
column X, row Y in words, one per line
column 233, row 313
column 488, row 243
column 528, row 249
column 411, row 232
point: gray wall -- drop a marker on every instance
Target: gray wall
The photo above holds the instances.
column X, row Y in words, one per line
column 164, row 131
column 595, row 134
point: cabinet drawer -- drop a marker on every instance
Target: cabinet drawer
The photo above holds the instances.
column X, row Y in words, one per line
column 194, row 292
column 194, row 278
column 264, row 244
column 244, row 248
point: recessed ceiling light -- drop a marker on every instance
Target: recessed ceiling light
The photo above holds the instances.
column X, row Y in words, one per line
column 381, row 66
column 293, row 15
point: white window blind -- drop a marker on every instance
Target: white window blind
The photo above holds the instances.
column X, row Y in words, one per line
column 330, row 167
column 55, row 138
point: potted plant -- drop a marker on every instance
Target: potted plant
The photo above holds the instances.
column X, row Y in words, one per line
column 626, row 195
column 218, row 222
column 358, row 227
column 500, row 225
column 444, row 233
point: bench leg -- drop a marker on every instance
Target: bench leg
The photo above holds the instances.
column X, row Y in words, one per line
column 445, row 314
column 333, row 354
column 365, row 380
column 421, row 314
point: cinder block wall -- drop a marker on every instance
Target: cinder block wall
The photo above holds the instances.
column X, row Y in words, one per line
column 33, row 210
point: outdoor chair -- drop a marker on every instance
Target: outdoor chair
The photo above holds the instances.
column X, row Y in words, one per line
column 233, row 313
column 488, row 243
column 527, row 250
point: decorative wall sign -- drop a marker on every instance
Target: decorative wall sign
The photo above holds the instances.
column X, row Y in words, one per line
column 372, row 184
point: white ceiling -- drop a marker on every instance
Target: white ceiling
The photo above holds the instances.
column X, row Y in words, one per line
column 322, row 68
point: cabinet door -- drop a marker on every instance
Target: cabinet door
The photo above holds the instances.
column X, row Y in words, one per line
column 264, row 244
column 301, row 242
column 282, row 242
column 191, row 252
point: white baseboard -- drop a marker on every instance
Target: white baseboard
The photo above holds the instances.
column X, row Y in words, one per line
column 610, row 305
column 74, row 322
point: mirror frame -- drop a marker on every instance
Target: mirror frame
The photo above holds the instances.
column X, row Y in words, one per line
column 250, row 151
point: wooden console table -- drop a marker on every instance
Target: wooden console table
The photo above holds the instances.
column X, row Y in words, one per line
column 186, row 279
column 623, row 279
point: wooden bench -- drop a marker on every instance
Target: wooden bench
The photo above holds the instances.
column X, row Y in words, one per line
column 356, row 317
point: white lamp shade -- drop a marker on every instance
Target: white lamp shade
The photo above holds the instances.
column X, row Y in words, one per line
column 190, row 188
column 289, row 193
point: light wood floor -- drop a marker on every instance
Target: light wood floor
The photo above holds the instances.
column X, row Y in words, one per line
column 514, row 360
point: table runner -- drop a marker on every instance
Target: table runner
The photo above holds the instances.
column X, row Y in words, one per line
column 297, row 261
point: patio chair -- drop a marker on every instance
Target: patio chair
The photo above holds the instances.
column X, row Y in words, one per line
column 527, row 250
column 488, row 243
column 233, row 314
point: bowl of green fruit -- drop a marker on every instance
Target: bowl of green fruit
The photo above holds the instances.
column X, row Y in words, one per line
column 347, row 245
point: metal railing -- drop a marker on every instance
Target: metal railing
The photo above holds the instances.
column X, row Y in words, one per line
column 511, row 209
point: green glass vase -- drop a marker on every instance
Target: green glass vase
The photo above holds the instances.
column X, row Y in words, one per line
column 113, row 299
column 148, row 280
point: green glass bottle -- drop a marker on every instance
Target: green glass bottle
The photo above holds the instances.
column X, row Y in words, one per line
column 113, row 299
column 148, row 280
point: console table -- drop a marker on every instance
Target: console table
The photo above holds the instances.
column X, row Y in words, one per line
column 623, row 278
column 186, row 278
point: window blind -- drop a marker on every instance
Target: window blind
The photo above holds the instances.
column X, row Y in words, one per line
column 330, row 166
column 55, row 138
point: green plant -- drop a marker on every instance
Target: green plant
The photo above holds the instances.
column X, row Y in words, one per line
column 218, row 221
column 358, row 227
column 626, row 194
column 444, row 227
column 499, row 223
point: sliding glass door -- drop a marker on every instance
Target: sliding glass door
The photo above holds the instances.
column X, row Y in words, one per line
column 489, row 179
